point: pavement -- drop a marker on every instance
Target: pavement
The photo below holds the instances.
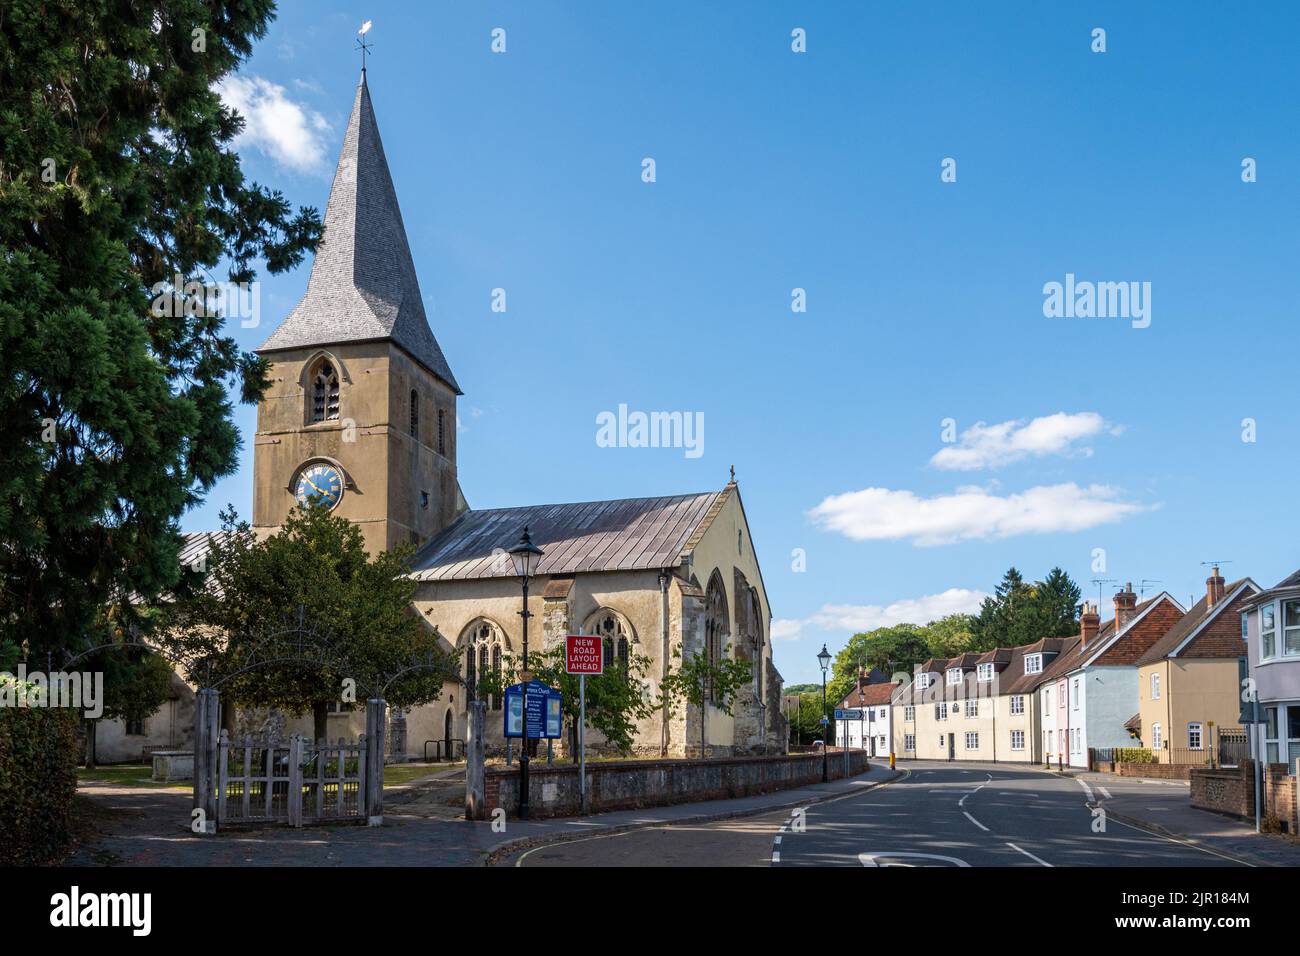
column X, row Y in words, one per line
column 1164, row 807
column 150, row 827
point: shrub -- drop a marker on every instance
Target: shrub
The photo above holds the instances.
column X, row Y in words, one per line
column 1134, row 755
column 38, row 781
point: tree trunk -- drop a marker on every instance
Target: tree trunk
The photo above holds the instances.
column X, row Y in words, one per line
column 704, row 733
column 90, row 743
column 320, row 720
column 229, row 717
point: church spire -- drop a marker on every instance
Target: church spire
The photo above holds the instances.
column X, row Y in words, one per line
column 363, row 285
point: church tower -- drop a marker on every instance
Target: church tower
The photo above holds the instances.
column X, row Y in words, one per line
column 361, row 409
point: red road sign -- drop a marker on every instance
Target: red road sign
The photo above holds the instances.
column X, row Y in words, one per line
column 583, row 654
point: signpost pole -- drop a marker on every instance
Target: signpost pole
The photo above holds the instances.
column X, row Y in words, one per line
column 582, row 741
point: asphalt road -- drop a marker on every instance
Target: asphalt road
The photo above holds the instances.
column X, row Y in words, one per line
column 940, row 814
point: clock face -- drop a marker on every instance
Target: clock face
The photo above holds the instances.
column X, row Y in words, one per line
column 320, row 484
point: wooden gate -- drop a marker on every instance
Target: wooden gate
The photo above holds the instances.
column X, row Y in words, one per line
column 293, row 781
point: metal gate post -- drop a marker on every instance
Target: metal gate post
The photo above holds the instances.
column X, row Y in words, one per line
column 295, row 780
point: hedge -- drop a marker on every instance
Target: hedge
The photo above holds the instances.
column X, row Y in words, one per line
column 38, row 780
column 1134, row 755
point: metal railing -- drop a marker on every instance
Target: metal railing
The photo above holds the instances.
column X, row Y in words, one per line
column 444, row 749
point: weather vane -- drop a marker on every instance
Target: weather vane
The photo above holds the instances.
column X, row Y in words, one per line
column 362, row 45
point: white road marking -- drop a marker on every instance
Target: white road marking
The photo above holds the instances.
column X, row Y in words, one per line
column 1170, row 839
column 869, row 859
column 976, row 822
column 1016, row 793
column 1031, row 856
column 776, row 856
column 962, row 801
column 777, row 841
column 957, row 790
column 1084, row 783
column 1103, row 791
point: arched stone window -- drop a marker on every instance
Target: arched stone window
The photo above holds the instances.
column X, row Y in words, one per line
column 482, row 644
column 324, row 380
column 716, row 630
column 616, row 636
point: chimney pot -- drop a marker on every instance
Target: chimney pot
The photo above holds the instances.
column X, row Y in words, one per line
column 1125, row 606
column 1213, row 588
column 1089, row 623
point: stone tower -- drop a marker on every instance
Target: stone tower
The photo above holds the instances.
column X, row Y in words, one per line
column 361, row 410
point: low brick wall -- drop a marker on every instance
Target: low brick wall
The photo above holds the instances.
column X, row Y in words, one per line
column 1232, row 791
column 629, row 784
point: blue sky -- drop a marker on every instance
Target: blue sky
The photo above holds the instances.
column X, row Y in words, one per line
column 821, row 171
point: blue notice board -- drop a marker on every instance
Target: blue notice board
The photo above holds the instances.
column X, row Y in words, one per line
column 545, row 711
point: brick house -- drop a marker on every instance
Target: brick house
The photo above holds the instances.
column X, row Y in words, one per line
column 1187, row 680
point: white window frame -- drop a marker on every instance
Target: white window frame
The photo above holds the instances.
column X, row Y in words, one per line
column 909, row 712
column 1157, row 738
column 1195, row 735
column 1017, row 740
column 941, row 710
column 1290, row 632
column 972, row 740
column 909, row 743
column 1017, row 705
column 954, row 676
column 923, row 681
column 1155, row 686
column 1268, row 636
column 985, row 673
column 972, row 708
column 1074, row 690
column 1033, row 663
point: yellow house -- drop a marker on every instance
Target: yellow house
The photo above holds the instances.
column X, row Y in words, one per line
column 1188, row 681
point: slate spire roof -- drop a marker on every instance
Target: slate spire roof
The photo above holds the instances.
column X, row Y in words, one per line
column 363, row 285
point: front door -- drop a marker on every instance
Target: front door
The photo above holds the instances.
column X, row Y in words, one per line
column 446, row 736
column 952, row 746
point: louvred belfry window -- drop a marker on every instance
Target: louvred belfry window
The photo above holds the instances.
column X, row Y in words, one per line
column 325, row 393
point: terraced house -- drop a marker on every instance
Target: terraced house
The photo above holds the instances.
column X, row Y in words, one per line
column 1089, row 691
column 1188, row 680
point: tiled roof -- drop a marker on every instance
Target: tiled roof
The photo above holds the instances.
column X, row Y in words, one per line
column 1016, row 681
column 872, row 695
column 363, row 285
column 617, row 535
column 1289, row 583
column 1201, row 614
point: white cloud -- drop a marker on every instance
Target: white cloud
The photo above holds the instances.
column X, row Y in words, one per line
column 993, row 446
column 286, row 131
column 879, row 514
column 855, row 618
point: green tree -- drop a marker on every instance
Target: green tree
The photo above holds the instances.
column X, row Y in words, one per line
column 698, row 681
column 136, row 683
column 889, row 649
column 364, row 629
column 1021, row 613
column 950, row 635
column 117, row 176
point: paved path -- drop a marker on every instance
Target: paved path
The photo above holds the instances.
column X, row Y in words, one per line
column 940, row 814
column 150, row 827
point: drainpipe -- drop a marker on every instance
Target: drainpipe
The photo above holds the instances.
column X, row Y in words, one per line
column 663, row 632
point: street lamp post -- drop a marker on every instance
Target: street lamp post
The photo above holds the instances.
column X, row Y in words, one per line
column 824, row 658
column 525, row 556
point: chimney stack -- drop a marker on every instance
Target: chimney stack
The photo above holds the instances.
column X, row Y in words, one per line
column 1125, row 606
column 1089, row 623
column 1213, row 588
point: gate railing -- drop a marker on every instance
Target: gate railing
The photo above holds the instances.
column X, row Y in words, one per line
column 293, row 781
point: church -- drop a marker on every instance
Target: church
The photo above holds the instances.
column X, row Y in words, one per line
column 361, row 412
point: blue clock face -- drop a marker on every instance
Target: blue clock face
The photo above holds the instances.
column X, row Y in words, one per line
column 320, row 484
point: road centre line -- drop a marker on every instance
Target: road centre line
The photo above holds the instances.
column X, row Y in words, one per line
column 1031, row 856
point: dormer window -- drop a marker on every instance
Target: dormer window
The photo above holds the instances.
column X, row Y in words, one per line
column 1033, row 663
column 985, row 673
column 923, row 681
column 324, row 392
column 954, row 675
